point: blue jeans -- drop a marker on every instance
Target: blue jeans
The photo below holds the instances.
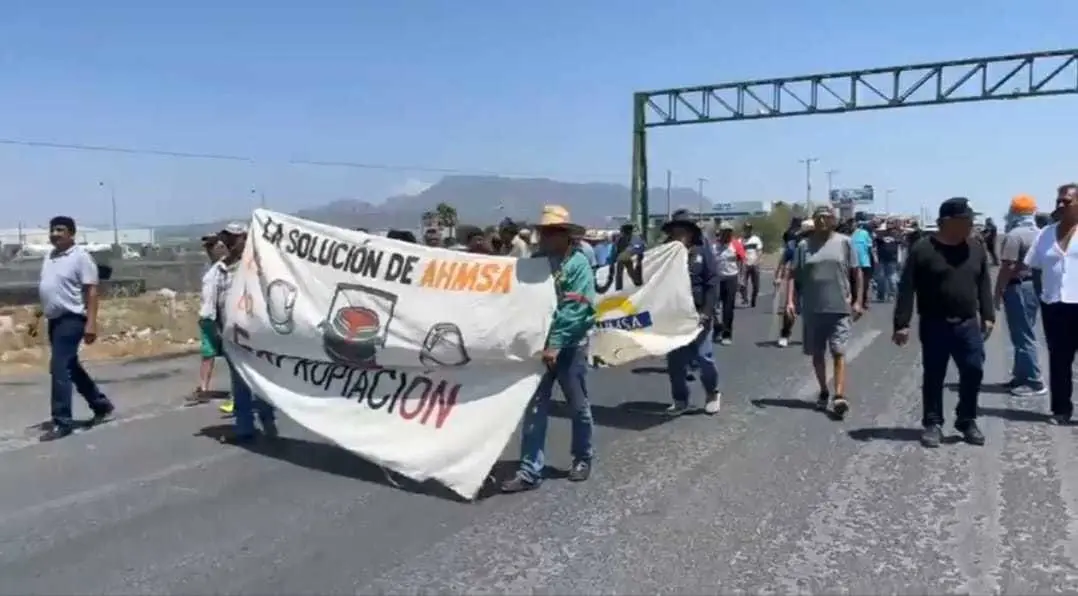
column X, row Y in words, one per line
column 65, row 335
column 886, row 281
column 700, row 352
column 570, row 371
column 1020, row 306
column 245, row 404
column 942, row 341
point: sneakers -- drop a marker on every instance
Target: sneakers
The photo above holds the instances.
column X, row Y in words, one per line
column 726, row 341
column 932, row 436
column 713, row 404
column 228, row 407
column 580, row 471
column 1059, row 420
column 822, row 400
column 518, row 484
column 839, row 406
column 1028, row 391
column 677, row 408
column 56, row 433
column 783, row 342
column 971, row 433
column 103, row 415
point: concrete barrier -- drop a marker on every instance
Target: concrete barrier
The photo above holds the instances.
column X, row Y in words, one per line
column 20, row 294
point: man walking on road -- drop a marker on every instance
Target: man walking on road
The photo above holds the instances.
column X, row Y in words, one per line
column 948, row 275
column 245, row 404
column 1016, row 294
column 823, row 263
column 729, row 257
column 754, row 249
column 703, row 278
column 565, row 355
column 69, row 300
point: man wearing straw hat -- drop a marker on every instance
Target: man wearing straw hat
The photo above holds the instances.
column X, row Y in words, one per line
column 704, row 280
column 565, row 355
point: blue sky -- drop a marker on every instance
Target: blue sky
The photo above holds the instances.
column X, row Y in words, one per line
column 517, row 87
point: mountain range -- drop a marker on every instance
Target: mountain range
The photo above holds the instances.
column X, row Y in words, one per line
column 479, row 200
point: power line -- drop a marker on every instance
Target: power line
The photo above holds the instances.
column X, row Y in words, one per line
column 301, row 162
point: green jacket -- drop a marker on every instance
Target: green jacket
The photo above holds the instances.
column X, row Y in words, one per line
column 574, row 282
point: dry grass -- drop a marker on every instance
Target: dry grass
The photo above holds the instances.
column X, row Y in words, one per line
column 149, row 325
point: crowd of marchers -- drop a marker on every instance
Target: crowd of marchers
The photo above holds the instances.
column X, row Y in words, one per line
column 830, row 273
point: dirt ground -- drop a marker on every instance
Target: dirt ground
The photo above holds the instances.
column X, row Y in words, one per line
column 151, row 325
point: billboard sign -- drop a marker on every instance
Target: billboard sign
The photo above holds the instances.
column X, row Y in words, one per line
column 853, row 196
column 739, row 208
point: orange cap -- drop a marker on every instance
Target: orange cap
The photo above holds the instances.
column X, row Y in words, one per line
column 1023, row 205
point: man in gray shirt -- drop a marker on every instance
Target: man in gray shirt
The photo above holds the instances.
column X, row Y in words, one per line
column 1016, row 293
column 68, row 293
column 825, row 266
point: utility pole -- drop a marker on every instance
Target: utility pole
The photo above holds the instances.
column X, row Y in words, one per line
column 115, row 224
column 669, row 181
column 700, row 198
column 261, row 197
column 830, row 182
column 808, row 161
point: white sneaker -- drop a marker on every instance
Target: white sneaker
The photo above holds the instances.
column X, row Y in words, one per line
column 783, row 342
column 711, row 407
column 726, row 341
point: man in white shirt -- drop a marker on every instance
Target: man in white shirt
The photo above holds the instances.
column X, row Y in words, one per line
column 729, row 260
column 754, row 249
column 1055, row 254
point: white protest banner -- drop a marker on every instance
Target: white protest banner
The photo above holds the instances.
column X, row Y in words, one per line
column 418, row 359
column 645, row 307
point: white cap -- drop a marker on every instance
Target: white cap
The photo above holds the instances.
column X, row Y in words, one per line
column 234, row 229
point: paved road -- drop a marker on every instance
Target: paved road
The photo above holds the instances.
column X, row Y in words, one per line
column 768, row 497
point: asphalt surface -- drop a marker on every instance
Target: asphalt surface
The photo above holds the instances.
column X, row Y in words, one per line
column 767, row 497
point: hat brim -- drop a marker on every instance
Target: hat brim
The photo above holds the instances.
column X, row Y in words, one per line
column 571, row 228
column 681, row 223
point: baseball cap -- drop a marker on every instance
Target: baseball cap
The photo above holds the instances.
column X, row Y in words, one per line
column 726, row 227
column 956, row 207
column 1023, row 205
column 234, row 229
column 807, row 225
column 823, row 211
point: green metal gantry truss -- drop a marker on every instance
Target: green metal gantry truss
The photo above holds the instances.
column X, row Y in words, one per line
column 1017, row 76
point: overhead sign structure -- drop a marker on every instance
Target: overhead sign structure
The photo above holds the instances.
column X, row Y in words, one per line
column 853, row 196
column 995, row 78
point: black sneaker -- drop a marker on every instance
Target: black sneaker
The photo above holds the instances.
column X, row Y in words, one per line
column 103, row 416
column 1059, row 420
column 822, row 400
column 840, row 407
column 970, row 432
column 932, row 436
column 519, row 484
column 580, row 471
column 55, row 434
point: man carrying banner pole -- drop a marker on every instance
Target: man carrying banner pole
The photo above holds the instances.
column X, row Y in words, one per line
column 704, row 279
column 565, row 355
column 245, row 403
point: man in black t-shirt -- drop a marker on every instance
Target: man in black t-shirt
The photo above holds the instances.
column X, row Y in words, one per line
column 887, row 246
column 947, row 276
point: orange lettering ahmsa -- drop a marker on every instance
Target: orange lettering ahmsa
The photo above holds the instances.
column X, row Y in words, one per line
column 485, row 278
